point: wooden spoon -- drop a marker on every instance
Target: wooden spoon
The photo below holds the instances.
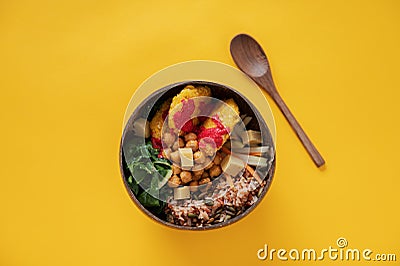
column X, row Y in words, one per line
column 251, row 59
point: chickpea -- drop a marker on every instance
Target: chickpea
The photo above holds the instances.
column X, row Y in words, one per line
column 217, row 159
column 190, row 136
column 198, row 172
column 186, row 176
column 208, row 164
column 175, row 157
column 215, row 171
column 193, row 186
column 209, row 149
column 205, row 175
column 174, row 181
column 204, row 181
column 168, row 139
column 181, row 143
column 176, row 170
column 193, row 144
column 199, row 157
column 197, row 177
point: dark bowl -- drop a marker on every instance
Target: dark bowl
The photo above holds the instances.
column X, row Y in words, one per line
column 219, row 91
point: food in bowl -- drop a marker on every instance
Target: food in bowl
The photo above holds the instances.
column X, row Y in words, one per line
column 197, row 158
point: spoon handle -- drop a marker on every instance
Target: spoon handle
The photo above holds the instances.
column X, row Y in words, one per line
column 312, row 151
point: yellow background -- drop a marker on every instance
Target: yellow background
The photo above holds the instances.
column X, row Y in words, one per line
column 69, row 68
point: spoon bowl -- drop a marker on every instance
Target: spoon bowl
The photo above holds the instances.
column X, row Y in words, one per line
column 255, row 62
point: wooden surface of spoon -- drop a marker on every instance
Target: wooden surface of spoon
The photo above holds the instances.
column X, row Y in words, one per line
column 252, row 60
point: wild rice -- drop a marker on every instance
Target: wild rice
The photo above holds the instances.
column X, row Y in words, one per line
column 221, row 202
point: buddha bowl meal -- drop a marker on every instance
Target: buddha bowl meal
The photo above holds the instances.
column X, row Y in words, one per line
column 196, row 155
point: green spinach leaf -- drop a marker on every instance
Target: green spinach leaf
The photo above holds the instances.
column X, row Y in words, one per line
column 147, row 200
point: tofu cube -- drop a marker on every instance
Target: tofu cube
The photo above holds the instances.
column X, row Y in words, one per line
column 253, row 138
column 186, row 155
column 182, row 193
column 232, row 165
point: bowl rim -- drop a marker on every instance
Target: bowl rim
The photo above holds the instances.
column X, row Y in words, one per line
column 269, row 178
